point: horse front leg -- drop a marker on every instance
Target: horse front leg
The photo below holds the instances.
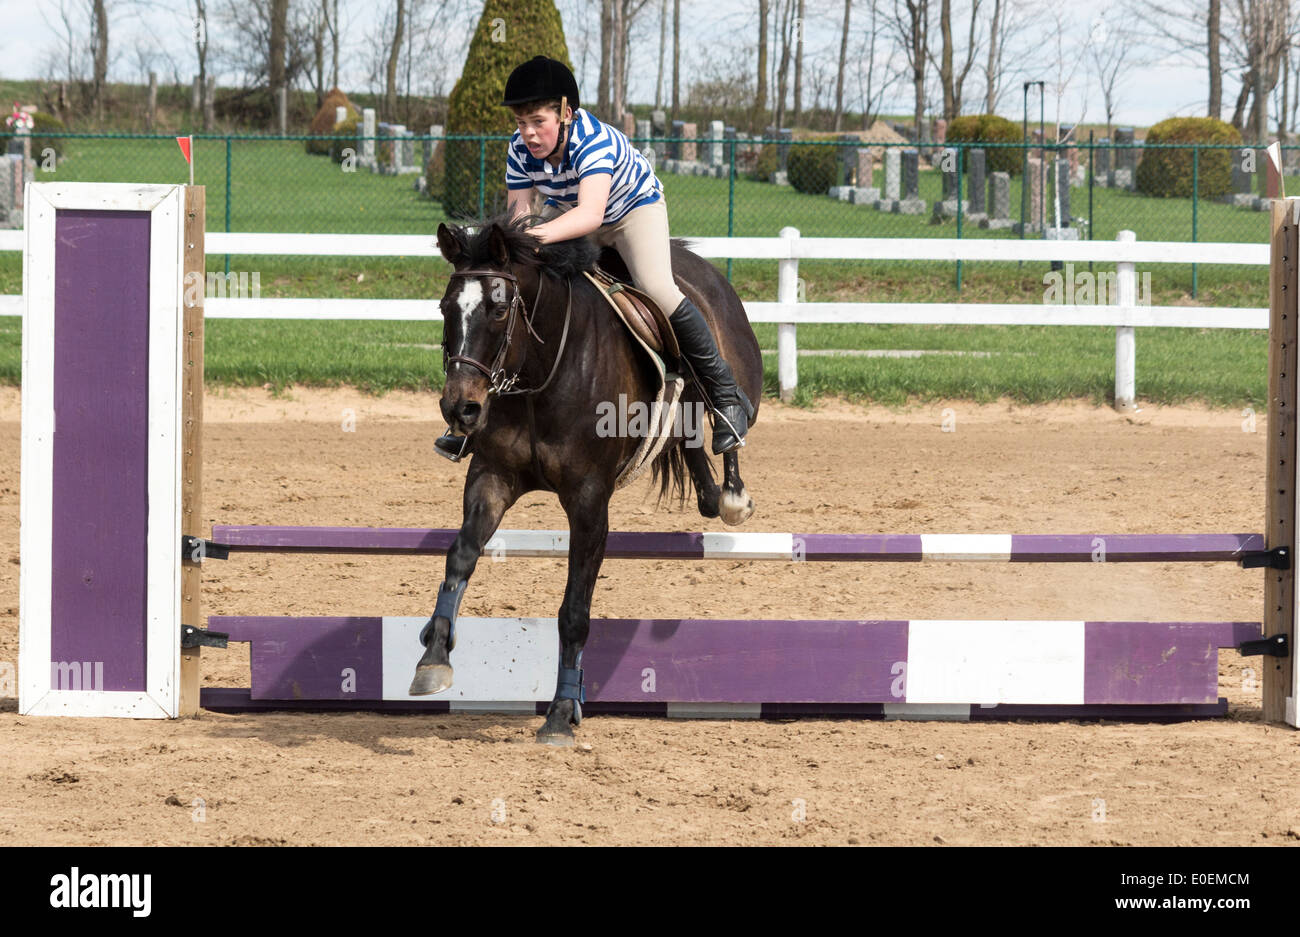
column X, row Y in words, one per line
column 488, row 495
column 588, row 514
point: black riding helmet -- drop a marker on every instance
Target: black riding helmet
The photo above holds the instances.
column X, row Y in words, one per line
column 543, row 79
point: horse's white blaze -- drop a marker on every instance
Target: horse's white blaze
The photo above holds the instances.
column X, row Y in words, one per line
column 468, row 299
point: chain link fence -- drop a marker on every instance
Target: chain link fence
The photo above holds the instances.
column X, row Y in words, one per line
column 731, row 186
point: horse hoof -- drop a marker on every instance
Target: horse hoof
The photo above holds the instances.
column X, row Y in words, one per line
column 432, row 678
column 555, row 740
column 735, row 507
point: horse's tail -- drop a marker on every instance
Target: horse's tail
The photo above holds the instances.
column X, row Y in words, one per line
column 669, row 469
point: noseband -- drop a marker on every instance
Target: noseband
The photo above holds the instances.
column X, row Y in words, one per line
column 499, row 382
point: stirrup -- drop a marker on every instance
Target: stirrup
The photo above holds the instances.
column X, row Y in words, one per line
column 450, row 446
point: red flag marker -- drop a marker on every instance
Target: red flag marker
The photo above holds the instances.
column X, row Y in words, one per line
column 187, row 149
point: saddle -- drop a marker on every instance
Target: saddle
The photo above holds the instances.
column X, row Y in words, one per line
column 639, row 312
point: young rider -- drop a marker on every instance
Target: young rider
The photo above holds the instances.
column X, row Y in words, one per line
column 596, row 183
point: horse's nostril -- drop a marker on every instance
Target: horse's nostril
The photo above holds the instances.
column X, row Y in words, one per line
column 469, row 412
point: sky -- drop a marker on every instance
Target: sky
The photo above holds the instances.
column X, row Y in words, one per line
column 154, row 33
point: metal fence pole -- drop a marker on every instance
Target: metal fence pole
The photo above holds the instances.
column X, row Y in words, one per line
column 227, row 196
column 787, row 291
column 961, row 152
column 731, row 203
column 1196, row 200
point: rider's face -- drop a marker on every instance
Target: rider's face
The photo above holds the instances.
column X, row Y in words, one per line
column 539, row 129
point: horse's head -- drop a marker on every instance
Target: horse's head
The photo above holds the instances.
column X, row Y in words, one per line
column 482, row 331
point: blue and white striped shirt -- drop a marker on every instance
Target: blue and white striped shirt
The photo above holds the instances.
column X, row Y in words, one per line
column 593, row 147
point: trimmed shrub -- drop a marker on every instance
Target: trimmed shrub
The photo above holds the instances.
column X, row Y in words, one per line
column 1168, row 173
column 322, row 125
column 990, row 128
column 474, row 106
column 435, row 172
column 812, row 169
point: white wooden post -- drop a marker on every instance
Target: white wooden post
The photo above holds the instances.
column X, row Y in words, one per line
column 787, row 352
column 1125, row 339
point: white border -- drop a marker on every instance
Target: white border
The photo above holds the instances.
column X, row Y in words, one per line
column 166, row 203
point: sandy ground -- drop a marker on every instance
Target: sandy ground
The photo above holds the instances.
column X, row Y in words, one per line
column 380, row 780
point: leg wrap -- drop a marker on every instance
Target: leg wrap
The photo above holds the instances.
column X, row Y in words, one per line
column 569, row 686
column 448, row 607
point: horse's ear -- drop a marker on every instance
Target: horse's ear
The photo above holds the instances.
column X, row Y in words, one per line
column 498, row 249
column 453, row 250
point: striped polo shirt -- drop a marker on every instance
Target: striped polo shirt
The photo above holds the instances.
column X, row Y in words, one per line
column 593, row 147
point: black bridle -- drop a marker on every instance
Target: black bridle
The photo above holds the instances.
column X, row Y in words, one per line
column 499, row 382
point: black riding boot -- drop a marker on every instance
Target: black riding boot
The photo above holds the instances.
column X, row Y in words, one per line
column 731, row 407
column 452, row 447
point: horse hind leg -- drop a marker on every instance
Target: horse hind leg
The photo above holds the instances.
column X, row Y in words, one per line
column 706, row 489
column 735, row 505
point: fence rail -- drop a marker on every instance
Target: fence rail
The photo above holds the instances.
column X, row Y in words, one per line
column 1124, row 313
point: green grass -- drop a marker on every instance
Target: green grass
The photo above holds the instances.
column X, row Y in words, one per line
column 276, row 186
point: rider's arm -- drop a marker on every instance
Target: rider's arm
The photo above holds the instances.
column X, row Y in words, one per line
column 520, row 202
column 586, row 217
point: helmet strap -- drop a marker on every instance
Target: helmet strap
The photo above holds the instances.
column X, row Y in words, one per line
column 563, row 139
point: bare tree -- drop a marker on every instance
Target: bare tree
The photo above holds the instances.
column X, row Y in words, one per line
column 663, row 44
column 394, row 53
column 760, row 95
column 799, row 27
column 786, row 40
column 1109, row 52
column 952, row 79
column 910, row 23
column 994, row 62
column 677, row 53
column 99, row 50
column 872, row 84
column 1212, row 39
column 839, row 75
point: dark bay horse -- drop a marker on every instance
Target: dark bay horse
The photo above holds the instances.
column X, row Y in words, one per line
column 531, row 352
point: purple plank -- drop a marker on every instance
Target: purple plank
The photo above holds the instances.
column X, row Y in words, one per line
column 309, row 660
column 101, row 443
column 1148, row 662
column 1133, row 548
column 1026, row 548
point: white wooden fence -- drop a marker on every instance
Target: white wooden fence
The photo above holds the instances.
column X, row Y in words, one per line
column 1125, row 314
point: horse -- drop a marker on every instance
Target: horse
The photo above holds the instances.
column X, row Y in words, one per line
column 531, row 351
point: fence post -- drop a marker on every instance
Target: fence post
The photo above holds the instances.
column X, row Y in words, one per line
column 1125, row 339
column 787, row 291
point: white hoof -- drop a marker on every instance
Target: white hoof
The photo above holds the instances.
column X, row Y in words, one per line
column 735, row 508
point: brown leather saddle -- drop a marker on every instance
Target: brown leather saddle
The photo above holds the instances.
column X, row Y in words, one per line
column 637, row 310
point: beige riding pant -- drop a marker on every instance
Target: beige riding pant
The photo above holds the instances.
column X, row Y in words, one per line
column 641, row 238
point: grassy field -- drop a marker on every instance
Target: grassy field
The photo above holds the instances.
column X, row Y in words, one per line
column 276, row 186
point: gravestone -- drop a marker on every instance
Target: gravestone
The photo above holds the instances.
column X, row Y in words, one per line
column 1062, row 177
column 783, row 151
column 1126, row 159
column 368, row 137
column 846, row 159
column 1101, row 162
column 1242, row 181
column 340, row 115
column 629, row 123
column 999, row 214
column 946, row 207
column 893, row 179
column 911, row 203
column 431, row 145
column 675, row 147
column 717, row 149
column 864, row 176
column 689, row 131
column 941, row 131
column 11, row 187
column 1033, row 198
column 659, row 123
column 976, row 182
column 642, row 139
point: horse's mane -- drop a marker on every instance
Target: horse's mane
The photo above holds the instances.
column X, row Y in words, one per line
column 560, row 259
